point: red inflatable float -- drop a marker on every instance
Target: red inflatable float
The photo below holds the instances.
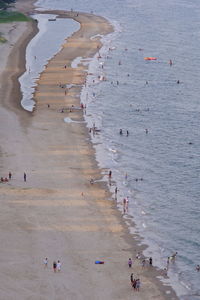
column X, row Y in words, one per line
column 150, row 58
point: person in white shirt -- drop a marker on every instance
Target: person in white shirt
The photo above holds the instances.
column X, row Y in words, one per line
column 59, row 266
column 45, row 261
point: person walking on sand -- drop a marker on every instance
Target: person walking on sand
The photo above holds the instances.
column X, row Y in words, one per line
column 131, row 278
column 59, row 266
column 45, row 261
column 10, row 175
column 134, row 284
column 110, row 174
column 143, row 263
column 24, row 177
column 130, row 262
column 150, row 261
column 54, row 267
column 137, row 287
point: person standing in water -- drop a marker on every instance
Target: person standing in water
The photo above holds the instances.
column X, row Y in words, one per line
column 116, row 190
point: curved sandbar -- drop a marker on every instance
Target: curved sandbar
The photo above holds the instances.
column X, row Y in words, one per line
column 82, row 43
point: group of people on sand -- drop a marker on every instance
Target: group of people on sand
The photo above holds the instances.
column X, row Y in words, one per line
column 56, row 265
column 135, row 283
column 6, row 179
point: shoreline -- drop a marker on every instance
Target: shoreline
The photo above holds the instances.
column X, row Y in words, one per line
column 47, row 121
column 16, row 61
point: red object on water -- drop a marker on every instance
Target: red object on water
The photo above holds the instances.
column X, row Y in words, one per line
column 150, row 58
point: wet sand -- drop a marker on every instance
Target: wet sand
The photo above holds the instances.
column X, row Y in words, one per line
column 57, row 213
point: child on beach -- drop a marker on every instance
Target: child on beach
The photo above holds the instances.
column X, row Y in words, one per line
column 130, row 262
column 45, row 261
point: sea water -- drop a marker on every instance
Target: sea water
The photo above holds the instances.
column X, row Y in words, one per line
column 158, row 164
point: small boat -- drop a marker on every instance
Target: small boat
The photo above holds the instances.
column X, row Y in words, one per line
column 51, row 19
column 150, row 58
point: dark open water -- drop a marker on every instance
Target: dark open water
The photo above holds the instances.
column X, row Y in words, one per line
column 166, row 204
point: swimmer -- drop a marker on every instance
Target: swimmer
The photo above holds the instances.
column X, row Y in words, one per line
column 178, row 81
column 170, row 62
column 198, row 268
column 120, row 132
column 127, row 132
column 146, row 131
column 173, row 256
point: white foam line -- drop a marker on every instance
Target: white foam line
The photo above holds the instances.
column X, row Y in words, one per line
column 68, row 120
column 76, row 62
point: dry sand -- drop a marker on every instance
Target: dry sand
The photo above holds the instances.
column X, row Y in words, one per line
column 57, row 213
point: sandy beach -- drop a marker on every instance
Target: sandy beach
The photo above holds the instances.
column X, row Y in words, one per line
column 57, row 213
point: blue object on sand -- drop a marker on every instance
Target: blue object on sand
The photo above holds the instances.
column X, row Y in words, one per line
column 99, row 262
